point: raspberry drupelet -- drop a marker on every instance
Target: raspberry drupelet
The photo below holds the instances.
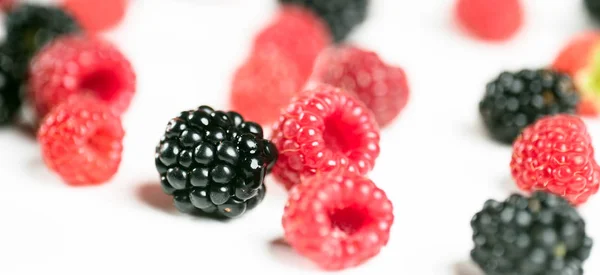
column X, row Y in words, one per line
column 338, row 221
column 556, row 155
column 77, row 64
column 322, row 130
column 82, row 140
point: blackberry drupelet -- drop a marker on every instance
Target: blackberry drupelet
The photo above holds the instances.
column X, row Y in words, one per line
column 214, row 162
column 539, row 235
column 10, row 88
column 29, row 27
column 340, row 15
column 593, row 8
column 515, row 100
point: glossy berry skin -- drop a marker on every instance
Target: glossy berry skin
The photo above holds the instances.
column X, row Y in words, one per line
column 268, row 79
column 381, row 87
column 515, row 100
column 97, row 15
column 73, row 65
column 537, row 235
column 29, row 27
column 556, row 155
column 283, row 33
column 492, row 20
column 341, row 16
column 323, row 130
column 82, row 141
column 338, row 221
column 214, row 162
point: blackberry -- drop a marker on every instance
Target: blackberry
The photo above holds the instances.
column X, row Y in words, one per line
column 340, row 15
column 10, row 88
column 539, row 235
column 29, row 27
column 214, row 162
column 515, row 100
column 593, row 8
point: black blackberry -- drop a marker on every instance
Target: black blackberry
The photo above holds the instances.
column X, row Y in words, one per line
column 515, row 100
column 340, row 15
column 29, row 27
column 539, row 235
column 10, row 88
column 214, row 161
column 593, row 8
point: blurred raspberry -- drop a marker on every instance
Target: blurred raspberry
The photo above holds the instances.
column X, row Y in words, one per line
column 97, row 15
column 80, row 65
column 296, row 33
column 7, row 4
column 383, row 88
column 490, row 19
column 264, row 85
column 82, row 140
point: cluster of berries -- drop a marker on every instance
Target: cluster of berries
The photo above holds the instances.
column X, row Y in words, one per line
column 77, row 84
column 328, row 102
column 553, row 157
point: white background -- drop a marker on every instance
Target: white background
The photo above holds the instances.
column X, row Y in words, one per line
column 437, row 165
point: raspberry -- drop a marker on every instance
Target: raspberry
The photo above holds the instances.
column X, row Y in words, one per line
column 298, row 35
column 493, row 20
column 338, row 221
column 269, row 80
column 580, row 58
column 6, row 4
column 97, row 15
column 214, row 162
column 556, row 155
column 514, row 100
column 383, row 88
column 82, row 140
column 81, row 65
column 538, row 235
column 322, row 130
column 30, row 27
column 341, row 16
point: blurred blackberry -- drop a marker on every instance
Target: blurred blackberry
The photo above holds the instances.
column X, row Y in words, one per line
column 214, row 162
column 539, row 235
column 593, row 8
column 341, row 15
column 29, row 27
column 515, row 100
column 10, row 88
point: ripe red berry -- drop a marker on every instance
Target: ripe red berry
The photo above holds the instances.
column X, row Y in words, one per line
column 81, row 140
column 580, row 60
column 490, row 19
column 296, row 33
column 6, row 4
column 74, row 65
column 322, row 130
column 338, row 221
column 97, row 15
column 555, row 155
column 264, row 85
column 383, row 88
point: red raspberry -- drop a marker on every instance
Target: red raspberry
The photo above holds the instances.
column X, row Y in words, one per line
column 298, row 34
column 383, row 88
column 579, row 59
column 264, row 85
column 81, row 140
column 555, row 154
column 338, row 221
column 97, row 15
column 7, row 4
column 490, row 19
column 321, row 130
column 80, row 65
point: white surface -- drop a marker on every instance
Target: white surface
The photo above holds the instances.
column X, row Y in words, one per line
column 436, row 165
